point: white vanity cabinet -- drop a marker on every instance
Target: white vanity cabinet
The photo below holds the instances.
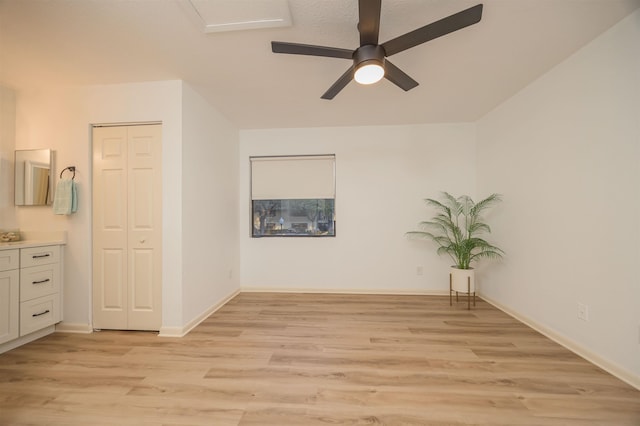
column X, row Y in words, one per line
column 39, row 288
column 30, row 292
column 9, row 294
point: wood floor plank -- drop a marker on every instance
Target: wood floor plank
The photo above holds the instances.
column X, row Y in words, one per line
column 316, row 359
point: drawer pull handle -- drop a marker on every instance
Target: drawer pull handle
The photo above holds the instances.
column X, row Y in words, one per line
column 41, row 281
column 41, row 313
column 38, row 256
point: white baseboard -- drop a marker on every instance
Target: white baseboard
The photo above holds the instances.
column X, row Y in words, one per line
column 73, row 327
column 344, row 291
column 172, row 332
column 612, row 368
column 182, row 331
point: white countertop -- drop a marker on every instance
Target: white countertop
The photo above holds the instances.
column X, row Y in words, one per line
column 36, row 239
column 29, row 243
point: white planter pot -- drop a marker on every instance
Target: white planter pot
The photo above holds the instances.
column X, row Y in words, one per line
column 463, row 280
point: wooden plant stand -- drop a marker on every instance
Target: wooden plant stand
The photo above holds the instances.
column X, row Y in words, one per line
column 451, row 290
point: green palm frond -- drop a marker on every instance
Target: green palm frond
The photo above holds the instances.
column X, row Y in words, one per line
column 478, row 227
column 420, row 235
column 486, row 203
column 456, row 226
column 444, row 209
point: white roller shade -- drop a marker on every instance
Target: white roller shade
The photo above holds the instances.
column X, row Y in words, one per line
column 290, row 178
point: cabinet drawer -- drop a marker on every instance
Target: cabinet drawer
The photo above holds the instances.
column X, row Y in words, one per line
column 39, row 256
column 39, row 313
column 9, row 259
column 38, row 281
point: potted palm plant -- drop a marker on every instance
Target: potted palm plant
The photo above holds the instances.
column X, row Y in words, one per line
column 456, row 229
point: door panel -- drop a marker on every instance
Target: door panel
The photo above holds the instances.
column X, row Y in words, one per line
column 113, row 145
column 142, row 213
column 114, row 292
column 142, row 274
column 109, row 227
column 144, row 227
column 127, row 227
column 113, row 196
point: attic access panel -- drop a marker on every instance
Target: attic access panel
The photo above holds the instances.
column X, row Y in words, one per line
column 235, row 15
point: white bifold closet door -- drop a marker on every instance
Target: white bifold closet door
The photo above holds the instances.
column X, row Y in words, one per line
column 127, row 227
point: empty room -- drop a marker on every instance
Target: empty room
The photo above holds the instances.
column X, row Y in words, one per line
column 303, row 212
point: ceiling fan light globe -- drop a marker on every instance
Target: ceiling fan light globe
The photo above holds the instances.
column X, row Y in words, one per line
column 369, row 73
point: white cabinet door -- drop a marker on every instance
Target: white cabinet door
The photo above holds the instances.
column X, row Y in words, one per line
column 127, row 227
column 9, row 305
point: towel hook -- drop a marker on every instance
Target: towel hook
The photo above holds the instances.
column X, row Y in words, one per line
column 71, row 169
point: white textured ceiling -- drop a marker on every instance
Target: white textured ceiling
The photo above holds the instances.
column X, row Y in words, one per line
column 462, row 75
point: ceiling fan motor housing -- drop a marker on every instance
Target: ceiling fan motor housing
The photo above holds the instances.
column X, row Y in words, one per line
column 368, row 54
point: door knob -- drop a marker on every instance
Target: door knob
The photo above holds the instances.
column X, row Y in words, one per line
column 142, row 241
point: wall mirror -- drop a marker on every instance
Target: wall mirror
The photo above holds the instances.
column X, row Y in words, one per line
column 33, row 177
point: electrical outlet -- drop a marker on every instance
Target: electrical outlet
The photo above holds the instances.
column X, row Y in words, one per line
column 419, row 270
column 583, row 311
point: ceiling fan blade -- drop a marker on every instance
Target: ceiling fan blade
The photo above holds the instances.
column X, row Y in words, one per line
column 434, row 30
column 307, row 49
column 369, row 25
column 398, row 77
column 340, row 84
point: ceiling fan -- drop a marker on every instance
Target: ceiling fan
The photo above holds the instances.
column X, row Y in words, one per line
column 369, row 60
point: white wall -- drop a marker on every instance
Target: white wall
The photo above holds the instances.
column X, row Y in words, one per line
column 199, row 167
column 60, row 119
column 565, row 152
column 210, row 238
column 7, row 146
column 382, row 174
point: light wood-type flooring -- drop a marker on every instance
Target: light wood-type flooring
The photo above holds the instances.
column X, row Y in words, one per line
column 316, row 359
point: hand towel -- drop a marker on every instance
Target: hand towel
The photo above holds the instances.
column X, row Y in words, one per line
column 63, row 199
column 74, row 197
